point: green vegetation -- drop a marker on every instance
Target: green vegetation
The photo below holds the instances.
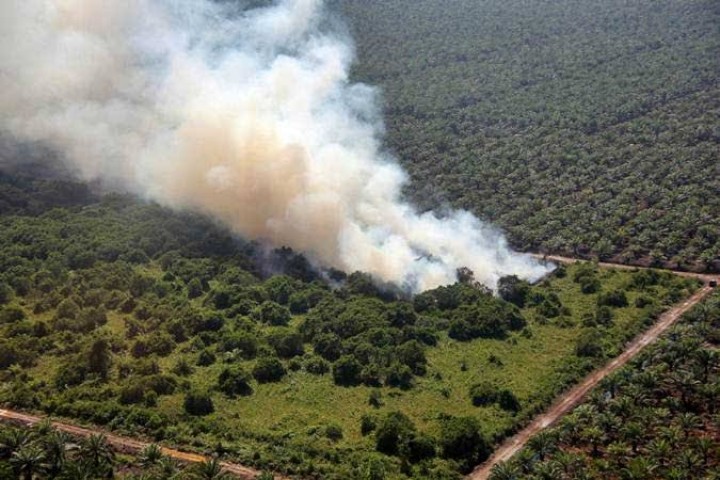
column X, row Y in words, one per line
column 655, row 418
column 160, row 324
column 44, row 452
column 578, row 126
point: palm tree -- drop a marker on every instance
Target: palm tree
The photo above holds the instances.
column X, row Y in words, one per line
column 548, row 471
column 708, row 361
column 705, row 446
column 689, row 460
column 684, row 382
column 570, row 428
column 168, row 468
column 210, row 470
column 98, row 454
column 594, row 436
column 711, row 393
column 568, row 462
column 77, row 471
column 43, row 427
column 543, row 444
column 671, row 434
column 688, row 422
column 677, row 473
column 633, row 432
column 623, row 407
column 525, row 460
column 13, row 440
column 28, row 460
column 618, row 452
column 55, row 445
column 150, row 455
column 660, row 449
column 505, row 471
column 639, row 468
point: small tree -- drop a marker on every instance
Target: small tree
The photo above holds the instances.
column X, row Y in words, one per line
column 198, row 403
column 99, row 358
column 460, row 439
column 483, row 393
column 6, row 293
column 346, row 371
column 234, row 380
column 268, row 369
column 513, row 290
column 271, row 313
column 395, row 429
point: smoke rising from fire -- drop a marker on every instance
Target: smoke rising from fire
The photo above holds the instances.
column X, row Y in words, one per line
column 244, row 114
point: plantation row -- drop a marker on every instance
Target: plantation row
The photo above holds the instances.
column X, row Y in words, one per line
column 579, row 127
column 655, row 419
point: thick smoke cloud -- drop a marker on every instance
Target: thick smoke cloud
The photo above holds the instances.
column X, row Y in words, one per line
column 246, row 115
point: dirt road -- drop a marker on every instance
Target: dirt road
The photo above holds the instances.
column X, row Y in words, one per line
column 705, row 277
column 128, row 445
column 572, row 398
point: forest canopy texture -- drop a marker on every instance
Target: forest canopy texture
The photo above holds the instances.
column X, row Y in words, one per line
column 580, row 127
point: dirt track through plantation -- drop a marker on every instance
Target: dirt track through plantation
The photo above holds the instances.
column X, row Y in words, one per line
column 576, row 395
column 128, row 445
column 560, row 407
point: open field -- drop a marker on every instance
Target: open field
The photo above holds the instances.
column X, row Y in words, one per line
column 162, row 337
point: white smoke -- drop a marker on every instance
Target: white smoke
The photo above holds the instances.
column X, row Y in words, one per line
column 245, row 115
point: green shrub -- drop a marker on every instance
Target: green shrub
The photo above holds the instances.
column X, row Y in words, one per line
column 268, row 370
column 346, row 371
column 198, row 403
column 234, row 380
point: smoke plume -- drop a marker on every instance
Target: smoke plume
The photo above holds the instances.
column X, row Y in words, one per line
column 245, row 114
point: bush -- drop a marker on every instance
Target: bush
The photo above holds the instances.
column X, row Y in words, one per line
column 392, row 431
column 604, row 315
column 367, row 424
column 508, row 401
column 271, row 313
column 11, row 314
column 375, row 399
column 346, row 371
column 246, row 344
column 316, row 365
column 482, row 394
column 198, row 403
column 548, row 309
column 183, row 368
column 234, row 380
column 334, row 433
column 616, row 298
column 590, row 285
column 418, row 447
column 513, row 290
column 328, row 345
column 460, row 440
column 412, row 354
column 588, row 344
column 399, row 376
column 6, row 293
column 286, row 345
column 206, row 358
column 268, row 369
